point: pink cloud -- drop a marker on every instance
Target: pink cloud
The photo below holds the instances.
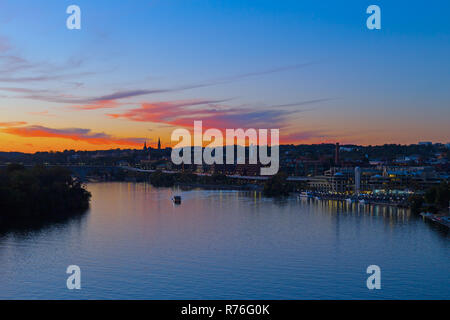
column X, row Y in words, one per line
column 185, row 112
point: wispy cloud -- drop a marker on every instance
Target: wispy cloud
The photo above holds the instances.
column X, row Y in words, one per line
column 4, row 44
column 101, row 104
column 131, row 93
column 301, row 103
column 42, row 113
column 303, row 136
column 12, row 124
column 23, row 90
column 211, row 112
column 13, row 63
column 262, row 72
column 14, row 68
column 76, row 134
column 44, row 77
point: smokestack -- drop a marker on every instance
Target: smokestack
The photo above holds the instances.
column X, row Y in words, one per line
column 336, row 156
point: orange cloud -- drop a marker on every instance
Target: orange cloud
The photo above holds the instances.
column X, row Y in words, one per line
column 12, row 124
column 76, row 134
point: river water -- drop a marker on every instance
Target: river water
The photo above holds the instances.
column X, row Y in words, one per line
column 134, row 243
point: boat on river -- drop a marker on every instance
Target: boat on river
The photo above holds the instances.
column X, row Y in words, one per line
column 176, row 199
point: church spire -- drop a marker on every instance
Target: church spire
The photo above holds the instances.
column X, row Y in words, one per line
column 159, row 143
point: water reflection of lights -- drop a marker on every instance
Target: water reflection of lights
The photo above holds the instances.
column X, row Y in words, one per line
column 390, row 214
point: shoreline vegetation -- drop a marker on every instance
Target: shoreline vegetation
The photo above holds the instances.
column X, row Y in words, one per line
column 40, row 193
column 435, row 200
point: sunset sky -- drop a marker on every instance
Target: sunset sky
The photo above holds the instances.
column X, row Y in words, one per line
column 137, row 70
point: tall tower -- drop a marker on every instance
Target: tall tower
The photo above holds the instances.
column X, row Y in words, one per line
column 159, row 144
column 336, row 155
column 145, row 146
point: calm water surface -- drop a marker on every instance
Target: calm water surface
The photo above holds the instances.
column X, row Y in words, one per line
column 135, row 244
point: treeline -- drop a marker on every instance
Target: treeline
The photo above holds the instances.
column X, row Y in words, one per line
column 40, row 192
column 161, row 179
column 434, row 200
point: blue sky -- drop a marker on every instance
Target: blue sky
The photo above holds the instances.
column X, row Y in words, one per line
column 311, row 68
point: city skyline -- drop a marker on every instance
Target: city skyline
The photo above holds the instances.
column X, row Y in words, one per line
column 139, row 71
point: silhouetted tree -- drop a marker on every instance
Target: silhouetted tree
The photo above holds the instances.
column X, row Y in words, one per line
column 277, row 186
column 40, row 192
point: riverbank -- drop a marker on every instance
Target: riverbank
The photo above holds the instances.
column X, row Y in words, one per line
column 440, row 219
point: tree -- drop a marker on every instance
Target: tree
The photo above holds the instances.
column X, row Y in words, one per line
column 160, row 179
column 277, row 186
column 40, row 192
column 435, row 198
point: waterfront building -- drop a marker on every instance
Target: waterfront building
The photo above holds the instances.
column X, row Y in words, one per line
column 306, row 167
column 357, row 180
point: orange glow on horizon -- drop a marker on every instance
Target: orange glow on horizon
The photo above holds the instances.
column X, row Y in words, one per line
column 20, row 137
